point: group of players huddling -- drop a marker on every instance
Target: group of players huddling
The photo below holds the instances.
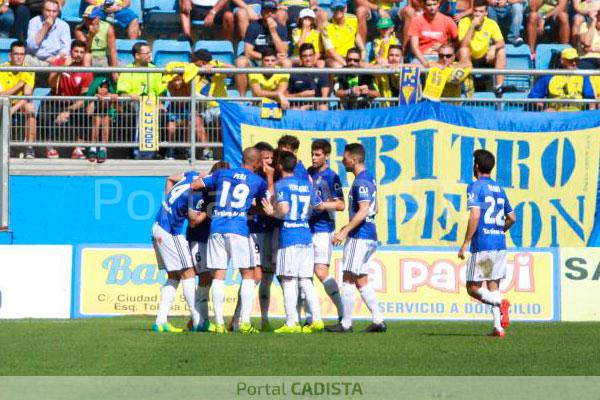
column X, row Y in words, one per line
column 273, row 217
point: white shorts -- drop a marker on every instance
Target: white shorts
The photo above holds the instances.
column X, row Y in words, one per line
column 358, row 254
column 322, row 247
column 296, row 261
column 489, row 265
column 199, row 250
column 172, row 251
column 261, row 246
column 224, row 248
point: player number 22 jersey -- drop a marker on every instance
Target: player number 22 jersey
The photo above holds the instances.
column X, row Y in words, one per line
column 364, row 189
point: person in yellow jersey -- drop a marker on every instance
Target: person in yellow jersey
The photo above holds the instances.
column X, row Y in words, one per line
column 481, row 40
column 459, row 80
column 20, row 84
column 386, row 39
column 341, row 35
column 271, row 86
column 306, row 32
column 389, row 85
column 371, row 11
column 563, row 86
column 117, row 12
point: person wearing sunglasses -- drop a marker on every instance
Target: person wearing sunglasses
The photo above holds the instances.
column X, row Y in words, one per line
column 459, row 80
column 356, row 91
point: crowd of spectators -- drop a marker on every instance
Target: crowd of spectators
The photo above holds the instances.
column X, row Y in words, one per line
column 460, row 34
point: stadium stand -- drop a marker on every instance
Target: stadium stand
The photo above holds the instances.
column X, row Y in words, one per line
column 161, row 16
column 165, row 51
column 5, row 49
column 221, row 50
column 544, row 53
column 71, row 12
column 518, row 57
column 124, row 47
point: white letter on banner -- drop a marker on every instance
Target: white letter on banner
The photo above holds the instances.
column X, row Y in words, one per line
column 414, row 273
column 99, row 201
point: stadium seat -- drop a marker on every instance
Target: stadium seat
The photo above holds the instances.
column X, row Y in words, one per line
column 71, row 11
column 165, row 51
column 161, row 15
column 508, row 106
column 221, row 50
column 5, row 49
column 518, row 58
column 124, row 47
column 240, row 48
column 543, row 53
column 136, row 6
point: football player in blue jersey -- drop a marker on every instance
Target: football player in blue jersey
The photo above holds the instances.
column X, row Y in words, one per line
column 291, row 144
column 360, row 242
column 322, row 224
column 229, row 242
column 490, row 217
column 172, row 250
column 294, row 197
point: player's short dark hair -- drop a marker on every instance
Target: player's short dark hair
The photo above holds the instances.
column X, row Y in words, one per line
column 479, row 3
column 287, row 161
column 268, row 52
column 306, row 46
column 221, row 164
column 137, row 48
column 321, row 144
column 484, row 160
column 354, row 50
column 396, row 47
column 77, row 43
column 16, row 43
column 263, row 146
column 289, row 141
column 356, row 150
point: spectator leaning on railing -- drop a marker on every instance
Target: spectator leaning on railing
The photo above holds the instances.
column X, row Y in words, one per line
column 389, row 84
column 355, row 91
column 48, row 37
column 341, row 35
column 102, row 111
column 271, row 86
column 118, row 13
column 563, row 86
column 308, row 85
column 20, row 84
column 459, row 81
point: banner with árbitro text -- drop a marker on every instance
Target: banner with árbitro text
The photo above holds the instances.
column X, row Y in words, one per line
column 422, row 157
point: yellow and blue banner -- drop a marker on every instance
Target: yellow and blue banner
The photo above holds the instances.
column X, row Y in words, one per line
column 149, row 133
column 409, row 84
column 421, row 156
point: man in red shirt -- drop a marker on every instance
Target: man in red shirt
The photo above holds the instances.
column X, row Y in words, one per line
column 67, row 116
column 429, row 31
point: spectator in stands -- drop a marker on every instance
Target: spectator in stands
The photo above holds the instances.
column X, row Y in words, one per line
column 24, row 10
column 355, row 91
column 289, row 10
column 589, row 37
column 67, row 116
column 103, row 111
column 457, row 9
column 210, row 11
column 341, row 35
column 99, row 38
column 582, row 9
column 481, row 39
column 7, row 20
column 48, row 37
column 117, row 12
column 20, row 84
column 306, row 32
column 271, row 86
column 543, row 11
column 308, row 85
column 429, row 31
column 386, row 39
column 459, row 80
column 371, row 11
column 509, row 16
column 389, row 84
column 563, row 86
column 261, row 35
column 407, row 13
column 244, row 12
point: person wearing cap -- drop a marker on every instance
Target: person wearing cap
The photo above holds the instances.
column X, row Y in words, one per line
column 59, row 116
column 263, row 34
column 48, row 36
column 306, row 32
column 102, row 111
column 429, row 31
column 341, row 35
column 119, row 13
column 355, row 91
column 386, row 39
column 99, row 38
column 542, row 12
column 563, row 86
column 371, row 11
column 481, row 40
column 212, row 12
column 308, row 85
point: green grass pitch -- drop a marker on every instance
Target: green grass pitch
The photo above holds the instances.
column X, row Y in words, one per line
column 126, row 346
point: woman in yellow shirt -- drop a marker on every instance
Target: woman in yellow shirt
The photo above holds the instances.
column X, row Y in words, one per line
column 307, row 32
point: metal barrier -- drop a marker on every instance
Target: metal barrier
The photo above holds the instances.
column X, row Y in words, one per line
column 4, row 162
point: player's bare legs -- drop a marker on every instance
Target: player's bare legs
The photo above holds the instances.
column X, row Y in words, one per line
column 491, row 296
column 264, row 297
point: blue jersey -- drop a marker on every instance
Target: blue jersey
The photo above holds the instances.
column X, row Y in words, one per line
column 201, row 232
column 235, row 189
column 494, row 205
column 364, row 189
column 300, row 196
column 300, row 171
column 174, row 209
column 328, row 186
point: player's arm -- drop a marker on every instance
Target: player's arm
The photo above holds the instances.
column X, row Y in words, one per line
column 474, row 216
column 359, row 217
column 333, row 205
column 171, row 181
column 274, row 208
column 511, row 218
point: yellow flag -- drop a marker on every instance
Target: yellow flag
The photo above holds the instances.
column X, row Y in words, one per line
column 148, row 133
column 434, row 86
